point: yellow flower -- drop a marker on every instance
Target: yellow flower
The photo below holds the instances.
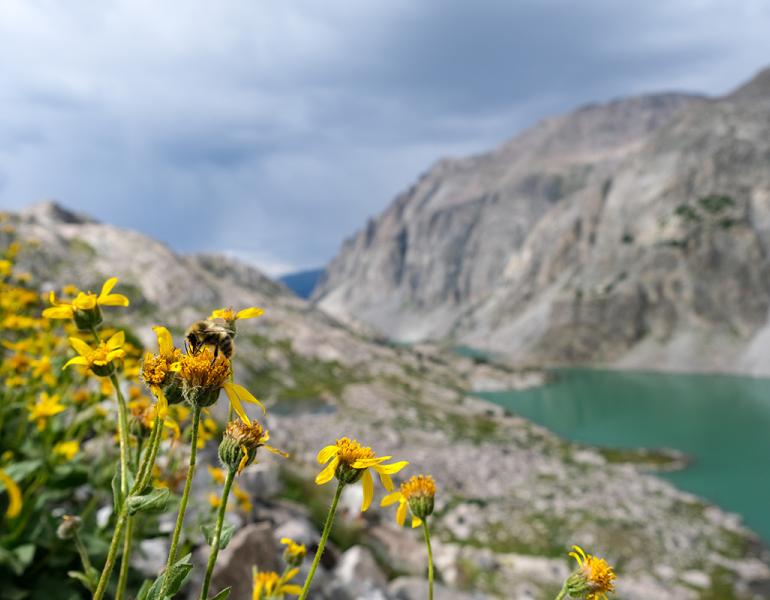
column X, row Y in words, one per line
column 14, row 495
column 46, row 407
column 204, row 375
column 67, row 449
column 349, row 461
column 415, row 494
column 270, row 585
column 593, row 577
column 158, row 373
column 100, row 359
column 229, row 315
column 295, row 553
column 6, row 266
column 84, row 307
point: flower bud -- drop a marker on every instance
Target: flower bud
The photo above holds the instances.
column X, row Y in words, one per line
column 239, row 444
column 420, row 491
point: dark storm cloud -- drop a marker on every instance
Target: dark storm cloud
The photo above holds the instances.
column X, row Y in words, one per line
column 273, row 129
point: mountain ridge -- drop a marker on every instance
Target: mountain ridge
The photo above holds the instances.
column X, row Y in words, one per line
column 586, row 239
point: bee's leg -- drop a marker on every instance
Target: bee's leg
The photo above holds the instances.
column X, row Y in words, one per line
column 216, row 353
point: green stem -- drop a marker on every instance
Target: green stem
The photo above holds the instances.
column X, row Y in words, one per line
column 111, row 555
column 185, row 497
column 322, row 543
column 123, row 435
column 123, row 576
column 430, row 558
column 87, row 566
column 217, row 533
column 562, row 593
column 144, row 472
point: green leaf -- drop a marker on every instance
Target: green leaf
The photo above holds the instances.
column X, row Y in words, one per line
column 19, row 470
column 144, row 590
column 177, row 575
column 25, row 553
column 155, row 501
column 224, row 537
column 223, row 595
column 89, row 584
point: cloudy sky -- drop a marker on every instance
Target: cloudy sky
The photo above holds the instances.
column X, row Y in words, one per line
column 273, row 128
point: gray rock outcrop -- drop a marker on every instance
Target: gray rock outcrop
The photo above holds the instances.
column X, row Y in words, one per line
column 633, row 234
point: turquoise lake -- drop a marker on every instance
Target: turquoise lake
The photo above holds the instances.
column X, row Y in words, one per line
column 721, row 422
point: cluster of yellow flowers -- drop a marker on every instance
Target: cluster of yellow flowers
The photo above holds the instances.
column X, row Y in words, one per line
column 66, row 404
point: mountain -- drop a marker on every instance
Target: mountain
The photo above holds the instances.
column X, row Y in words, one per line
column 302, row 283
column 512, row 496
column 632, row 234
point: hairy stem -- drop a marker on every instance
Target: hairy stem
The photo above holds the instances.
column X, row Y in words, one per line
column 111, row 555
column 322, row 543
column 426, row 531
column 183, row 503
column 217, row 533
column 125, row 559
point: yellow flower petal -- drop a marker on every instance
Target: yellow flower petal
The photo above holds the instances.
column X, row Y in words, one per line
column 391, row 498
column 14, row 495
column 165, row 340
column 292, row 573
column 246, row 396
column 78, row 360
column 386, row 481
column 416, row 522
column 326, row 475
column 365, row 463
column 391, row 468
column 368, row 484
column 401, row 513
column 84, row 301
column 59, row 312
column 276, row 451
column 114, row 300
column 116, row 340
column 119, row 353
column 108, row 285
column 81, row 347
column 291, row 589
column 161, row 407
column 249, row 313
column 235, row 402
column 327, row 453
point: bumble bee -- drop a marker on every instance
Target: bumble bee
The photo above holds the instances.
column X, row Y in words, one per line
column 211, row 332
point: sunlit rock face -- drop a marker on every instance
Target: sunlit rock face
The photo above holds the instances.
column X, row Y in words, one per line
column 632, row 233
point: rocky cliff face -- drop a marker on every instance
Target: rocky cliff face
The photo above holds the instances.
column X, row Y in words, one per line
column 512, row 497
column 634, row 233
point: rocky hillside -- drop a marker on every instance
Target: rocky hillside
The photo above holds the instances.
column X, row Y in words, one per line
column 512, row 497
column 634, row 233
